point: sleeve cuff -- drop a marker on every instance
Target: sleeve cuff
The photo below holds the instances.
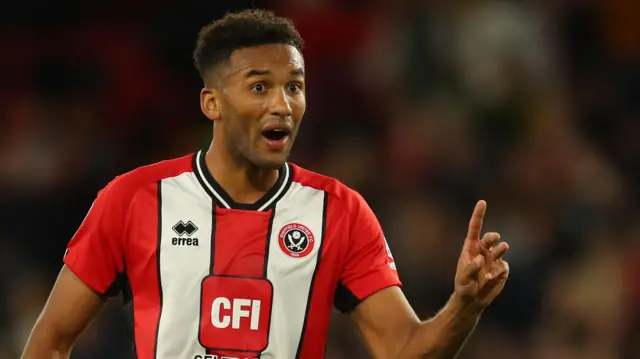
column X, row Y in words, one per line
column 372, row 283
column 87, row 279
column 348, row 296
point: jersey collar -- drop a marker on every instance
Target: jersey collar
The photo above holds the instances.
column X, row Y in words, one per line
column 222, row 198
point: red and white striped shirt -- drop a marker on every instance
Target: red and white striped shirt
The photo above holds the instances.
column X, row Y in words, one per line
column 208, row 278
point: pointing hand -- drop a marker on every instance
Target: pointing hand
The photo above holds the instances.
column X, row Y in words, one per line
column 481, row 272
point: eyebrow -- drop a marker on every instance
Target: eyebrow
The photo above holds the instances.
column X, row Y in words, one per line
column 255, row 72
column 297, row 72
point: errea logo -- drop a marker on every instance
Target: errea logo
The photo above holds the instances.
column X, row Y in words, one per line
column 182, row 228
column 185, row 231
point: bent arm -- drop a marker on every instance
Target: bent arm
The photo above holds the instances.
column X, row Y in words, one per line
column 443, row 336
column 69, row 310
column 391, row 329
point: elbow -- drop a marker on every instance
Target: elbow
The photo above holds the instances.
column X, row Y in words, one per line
column 408, row 348
column 422, row 343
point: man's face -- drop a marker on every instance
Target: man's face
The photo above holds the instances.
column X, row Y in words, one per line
column 262, row 102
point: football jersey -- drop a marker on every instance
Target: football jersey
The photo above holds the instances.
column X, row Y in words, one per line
column 208, row 278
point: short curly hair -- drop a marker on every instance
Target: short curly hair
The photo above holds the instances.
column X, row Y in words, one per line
column 218, row 40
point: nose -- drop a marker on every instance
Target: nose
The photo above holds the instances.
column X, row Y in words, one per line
column 279, row 104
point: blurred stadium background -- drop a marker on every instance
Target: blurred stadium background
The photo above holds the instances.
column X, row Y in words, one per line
column 422, row 106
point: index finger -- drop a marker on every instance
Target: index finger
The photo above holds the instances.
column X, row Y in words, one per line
column 475, row 224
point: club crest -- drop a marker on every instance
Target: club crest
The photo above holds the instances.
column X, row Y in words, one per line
column 296, row 240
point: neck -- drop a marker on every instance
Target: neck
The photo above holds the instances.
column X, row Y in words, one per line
column 243, row 181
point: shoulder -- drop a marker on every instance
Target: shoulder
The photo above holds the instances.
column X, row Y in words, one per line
column 339, row 193
column 126, row 185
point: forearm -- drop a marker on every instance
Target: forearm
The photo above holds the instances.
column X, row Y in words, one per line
column 44, row 343
column 442, row 336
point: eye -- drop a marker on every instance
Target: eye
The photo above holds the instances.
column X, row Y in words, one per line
column 294, row 87
column 259, row 88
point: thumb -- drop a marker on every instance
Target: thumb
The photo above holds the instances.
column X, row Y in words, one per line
column 472, row 268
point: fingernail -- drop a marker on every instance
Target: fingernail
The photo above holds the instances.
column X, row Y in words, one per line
column 489, row 276
column 479, row 260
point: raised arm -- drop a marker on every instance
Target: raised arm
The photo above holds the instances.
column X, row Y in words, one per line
column 390, row 327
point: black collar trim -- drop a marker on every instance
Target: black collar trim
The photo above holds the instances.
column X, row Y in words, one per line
column 222, row 198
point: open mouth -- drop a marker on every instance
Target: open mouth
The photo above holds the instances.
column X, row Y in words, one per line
column 277, row 134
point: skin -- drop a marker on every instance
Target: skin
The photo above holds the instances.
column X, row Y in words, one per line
column 71, row 306
column 258, row 87
column 262, row 86
column 391, row 328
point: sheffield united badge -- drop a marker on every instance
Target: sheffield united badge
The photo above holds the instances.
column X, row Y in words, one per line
column 296, row 240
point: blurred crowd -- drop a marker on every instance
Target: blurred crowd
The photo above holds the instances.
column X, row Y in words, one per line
column 422, row 106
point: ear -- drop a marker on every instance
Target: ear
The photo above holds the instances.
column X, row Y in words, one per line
column 209, row 103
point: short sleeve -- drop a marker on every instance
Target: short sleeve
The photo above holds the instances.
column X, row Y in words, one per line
column 369, row 266
column 94, row 254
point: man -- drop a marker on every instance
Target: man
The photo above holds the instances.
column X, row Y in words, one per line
column 235, row 253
